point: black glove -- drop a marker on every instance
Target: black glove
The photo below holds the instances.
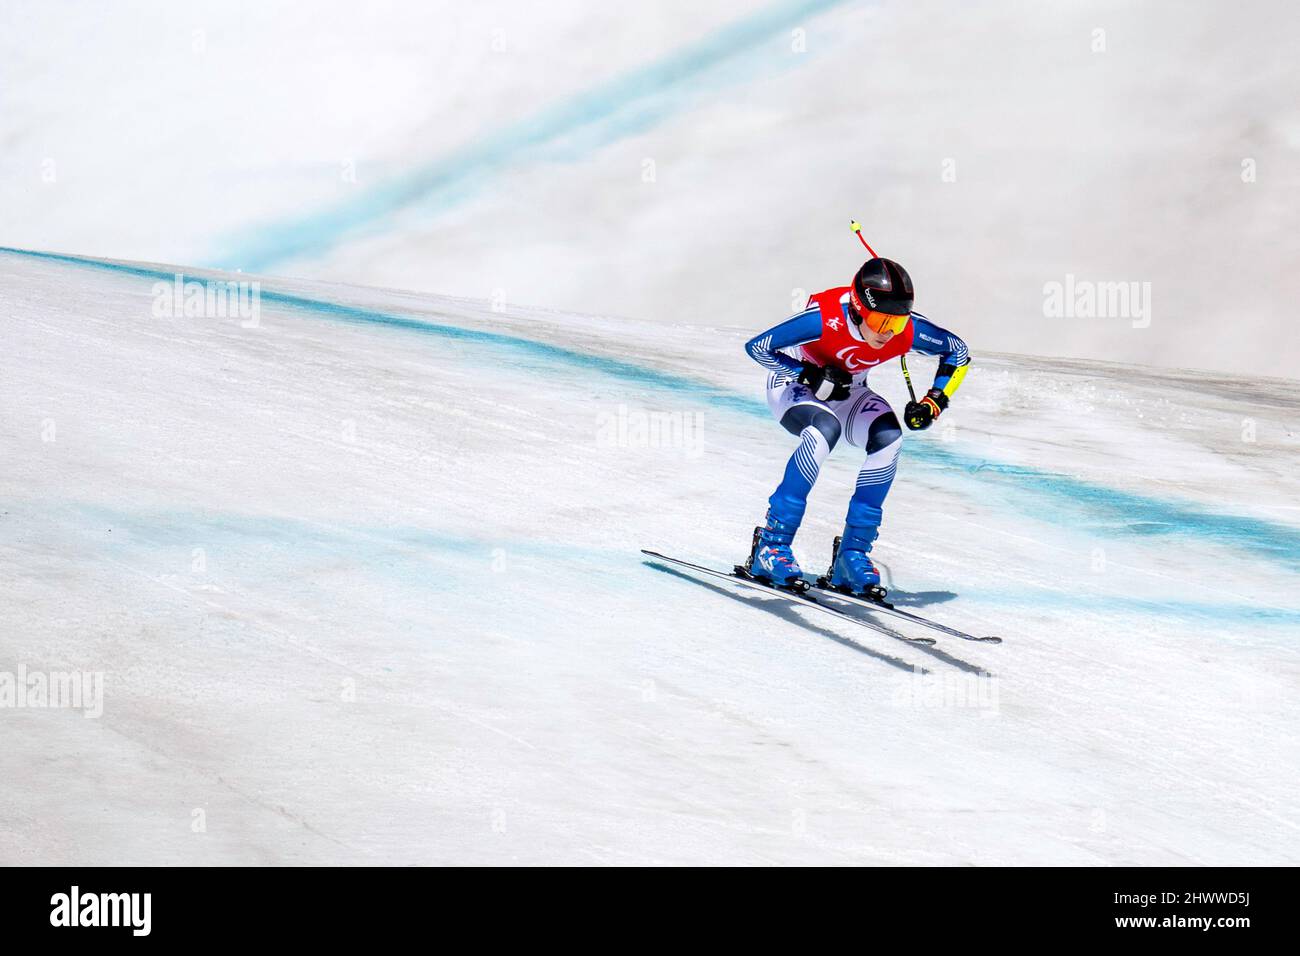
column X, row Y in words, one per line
column 828, row 383
column 920, row 415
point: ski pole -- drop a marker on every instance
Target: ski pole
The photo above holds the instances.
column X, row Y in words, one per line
column 902, row 359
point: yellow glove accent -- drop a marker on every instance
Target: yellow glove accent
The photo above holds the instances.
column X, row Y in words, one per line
column 954, row 380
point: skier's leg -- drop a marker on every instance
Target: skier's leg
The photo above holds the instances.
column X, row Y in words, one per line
column 818, row 430
column 881, row 436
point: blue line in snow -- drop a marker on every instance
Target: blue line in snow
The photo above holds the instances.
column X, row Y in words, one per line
column 626, row 104
column 266, row 541
column 1072, row 501
column 1118, row 603
column 1105, row 510
column 625, row 371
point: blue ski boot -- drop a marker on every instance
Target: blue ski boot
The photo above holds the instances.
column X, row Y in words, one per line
column 852, row 569
column 771, row 559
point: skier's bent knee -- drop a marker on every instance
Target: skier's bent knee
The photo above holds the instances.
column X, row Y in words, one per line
column 884, row 431
column 802, row 416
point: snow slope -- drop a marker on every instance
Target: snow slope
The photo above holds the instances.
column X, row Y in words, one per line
column 551, row 154
column 364, row 585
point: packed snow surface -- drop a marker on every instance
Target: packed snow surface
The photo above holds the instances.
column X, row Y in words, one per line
column 362, row 582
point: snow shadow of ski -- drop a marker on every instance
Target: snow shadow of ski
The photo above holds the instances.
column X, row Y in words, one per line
column 787, row 612
column 920, row 598
column 935, row 651
column 910, row 598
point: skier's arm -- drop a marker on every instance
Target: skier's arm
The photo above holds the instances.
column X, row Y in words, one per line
column 765, row 347
column 954, row 359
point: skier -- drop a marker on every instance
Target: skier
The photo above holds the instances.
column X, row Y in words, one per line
column 817, row 388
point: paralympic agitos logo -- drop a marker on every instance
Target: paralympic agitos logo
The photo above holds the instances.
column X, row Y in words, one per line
column 852, row 361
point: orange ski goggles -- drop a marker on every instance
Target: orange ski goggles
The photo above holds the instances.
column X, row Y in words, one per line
column 882, row 322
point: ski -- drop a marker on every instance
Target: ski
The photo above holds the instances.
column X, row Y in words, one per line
column 739, row 576
column 880, row 604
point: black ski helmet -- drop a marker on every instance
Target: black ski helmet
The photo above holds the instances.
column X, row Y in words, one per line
column 881, row 285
